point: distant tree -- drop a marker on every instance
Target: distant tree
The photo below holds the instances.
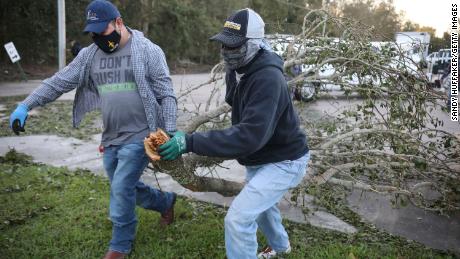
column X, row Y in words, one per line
column 430, row 30
column 436, row 43
column 32, row 26
column 283, row 16
column 382, row 16
column 410, row 26
column 182, row 27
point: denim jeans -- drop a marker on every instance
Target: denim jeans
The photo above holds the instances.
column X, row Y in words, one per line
column 256, row 206
column 124, row 165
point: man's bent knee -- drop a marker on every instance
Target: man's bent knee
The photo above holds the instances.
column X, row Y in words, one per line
column 235, row 219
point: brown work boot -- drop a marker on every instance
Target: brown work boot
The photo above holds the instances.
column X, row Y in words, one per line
column 114, row 255
column 167, row 217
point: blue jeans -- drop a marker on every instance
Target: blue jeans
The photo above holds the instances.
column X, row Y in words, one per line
column 256, row 206
column 124, row 165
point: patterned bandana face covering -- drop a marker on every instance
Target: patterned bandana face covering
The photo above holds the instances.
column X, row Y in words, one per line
column 234, row 58
column 239, row 57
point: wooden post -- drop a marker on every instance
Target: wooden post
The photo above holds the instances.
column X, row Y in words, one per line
column 23, row 75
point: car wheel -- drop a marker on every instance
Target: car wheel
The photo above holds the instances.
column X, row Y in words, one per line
column 307, row 92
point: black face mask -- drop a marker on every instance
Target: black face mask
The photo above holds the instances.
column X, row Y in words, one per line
column 108, row 43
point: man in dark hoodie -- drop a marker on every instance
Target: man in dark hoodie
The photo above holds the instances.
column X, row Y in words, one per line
column 264, row 136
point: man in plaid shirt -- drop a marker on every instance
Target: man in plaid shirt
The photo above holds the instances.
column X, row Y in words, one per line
column 126, row 76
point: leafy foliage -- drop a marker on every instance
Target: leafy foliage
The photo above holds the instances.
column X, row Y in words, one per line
column 391, row 140
column 180, row 27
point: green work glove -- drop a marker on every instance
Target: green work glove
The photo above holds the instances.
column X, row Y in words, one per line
column 175, row 147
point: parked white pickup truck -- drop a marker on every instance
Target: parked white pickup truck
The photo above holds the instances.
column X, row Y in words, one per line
column 437, row 63
column 308, row 89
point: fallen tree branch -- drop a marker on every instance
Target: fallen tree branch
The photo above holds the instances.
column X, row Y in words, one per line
column 205, row 117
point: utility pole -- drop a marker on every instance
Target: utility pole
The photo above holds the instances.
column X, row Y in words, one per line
column 61, row 33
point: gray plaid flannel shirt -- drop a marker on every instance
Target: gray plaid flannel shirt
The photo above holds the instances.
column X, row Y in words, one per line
column 151, row 74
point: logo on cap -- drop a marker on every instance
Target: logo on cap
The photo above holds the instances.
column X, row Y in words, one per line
column 92, row 16
column 232, row 25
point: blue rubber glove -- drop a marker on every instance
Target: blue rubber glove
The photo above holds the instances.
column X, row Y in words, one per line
column 175, row 147
column 18, row 119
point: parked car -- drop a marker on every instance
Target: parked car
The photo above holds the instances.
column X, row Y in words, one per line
column 441, row 61
column 446, row 80
column 443, row 55
column 438, row 63
column 304, row 91
column 431, row 60
column 308, row 90
column 414, row 44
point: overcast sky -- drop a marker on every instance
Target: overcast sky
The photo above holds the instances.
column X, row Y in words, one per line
column 433, row 13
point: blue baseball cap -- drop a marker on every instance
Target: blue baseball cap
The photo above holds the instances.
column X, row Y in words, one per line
column 98, row 15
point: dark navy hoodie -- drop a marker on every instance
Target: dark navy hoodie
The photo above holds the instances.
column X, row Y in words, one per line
column 265, row 126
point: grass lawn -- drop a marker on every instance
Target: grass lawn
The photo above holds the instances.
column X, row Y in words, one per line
column 50, row 212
